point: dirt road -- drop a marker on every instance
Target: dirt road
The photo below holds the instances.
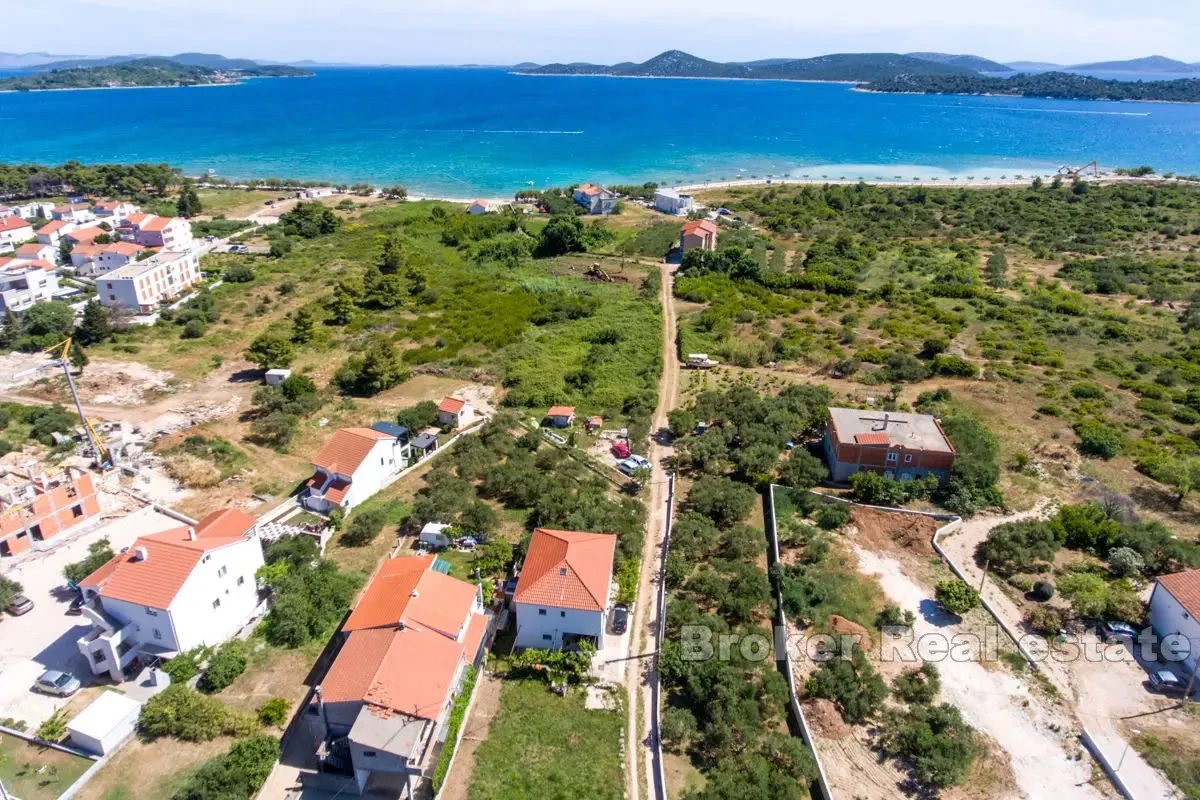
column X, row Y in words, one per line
column 639, row 764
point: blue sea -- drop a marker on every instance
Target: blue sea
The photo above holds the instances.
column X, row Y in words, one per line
column 463, row 132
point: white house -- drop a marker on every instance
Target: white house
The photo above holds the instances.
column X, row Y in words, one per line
column 1175, row 609
column 33, row 210
column 596, row 199
column 149, row 230
column 434, row 534
column 23, row 283
column 455, row 413
column 74, row 212
column 53, row 231
column 404, row 651
column 140, row 286
column 172, row 591
column 479, row 207
column 114, row 210
column 85, row 259
column 114, row 256
column 353, row 465
column 562, row 594
column 14, row 231
column 36, row 251
column 670, row 201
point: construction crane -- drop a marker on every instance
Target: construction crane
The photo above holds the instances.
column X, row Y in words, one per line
column 1075, row 172
column 103, row 456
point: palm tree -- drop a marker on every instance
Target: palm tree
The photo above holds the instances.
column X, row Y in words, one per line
column 805, row 176
column 971, row 177
column 897, row 177
column 953, row 177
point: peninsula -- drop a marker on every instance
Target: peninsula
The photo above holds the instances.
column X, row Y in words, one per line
column 1057, row 85
column 145, row 72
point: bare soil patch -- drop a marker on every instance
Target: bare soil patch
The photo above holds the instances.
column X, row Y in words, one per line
column 890, row 531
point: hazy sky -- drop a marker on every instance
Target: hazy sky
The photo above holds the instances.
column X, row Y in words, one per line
column 508, row 31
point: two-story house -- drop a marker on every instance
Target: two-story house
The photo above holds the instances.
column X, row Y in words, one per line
column 14, row 231
column 53, row 232
column 596, row 199
column 23, row 283
column 150, row 230
column 355, row 464
column 562, row 594
column 699, row 233
column 172, row 591
column 405, row 648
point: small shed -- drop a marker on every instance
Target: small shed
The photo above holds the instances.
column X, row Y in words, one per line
column 434, row 535
column 105, row 724
column 424, row 445
column 277, row 376
column 594, row 424
column 561, row 416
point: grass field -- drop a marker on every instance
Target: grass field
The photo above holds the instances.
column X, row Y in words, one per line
column 37, row 773
column 548, row 747
column 234, row 203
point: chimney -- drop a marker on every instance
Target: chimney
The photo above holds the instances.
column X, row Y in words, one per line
column 402, row 625
column 140, row 554
column 191, row 534
column 415, row 594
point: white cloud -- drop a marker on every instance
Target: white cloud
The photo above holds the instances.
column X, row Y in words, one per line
column 504, row 31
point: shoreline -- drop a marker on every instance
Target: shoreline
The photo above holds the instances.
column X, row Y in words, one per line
column 238, row 82
column 679, row 78
column 864, row 88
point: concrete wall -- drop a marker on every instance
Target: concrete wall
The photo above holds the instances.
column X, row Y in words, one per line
column 226, row 574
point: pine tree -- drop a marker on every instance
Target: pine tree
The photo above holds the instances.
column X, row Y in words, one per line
column 341, row 309
column 189, row 202
column 94, row 328
column 303, row 326
column 10, row 329
column 392, row 257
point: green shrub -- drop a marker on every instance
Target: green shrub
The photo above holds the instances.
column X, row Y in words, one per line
column 1017, row 547
column 832, row 516
column 235, row 775
column 1098, row 439
column 185, row 666
column 223, row 668
column 937, row 742
column 186, row 714
column 956, row 596
column 274, row 712
column 852, row 683
column 1046, row 620
column 919, row 685
column 364, row 527
column 892, row 617
column 1043, row 590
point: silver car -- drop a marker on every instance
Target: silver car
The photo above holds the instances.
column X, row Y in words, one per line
column 63, row 684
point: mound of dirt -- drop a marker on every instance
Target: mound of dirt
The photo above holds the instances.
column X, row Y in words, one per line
column 880, row 530
column 121, row 383
column 825, row 719
column 840, row 626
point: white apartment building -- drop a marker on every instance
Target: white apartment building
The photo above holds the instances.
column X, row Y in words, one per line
column 52, row 232
column 142, row 285
column 172, row 591
column 148, row 230
column 114, row 210
column 669, row 201
column 14, row 231
column 74, row 212
column 23, row 283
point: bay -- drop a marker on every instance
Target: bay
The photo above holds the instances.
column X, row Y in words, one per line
column 463, row 132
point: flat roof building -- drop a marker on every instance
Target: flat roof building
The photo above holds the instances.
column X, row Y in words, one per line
column 899, row 445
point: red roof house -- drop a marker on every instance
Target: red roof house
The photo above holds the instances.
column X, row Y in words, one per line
column 563, row 592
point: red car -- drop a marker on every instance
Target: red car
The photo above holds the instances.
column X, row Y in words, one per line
column 621, row 450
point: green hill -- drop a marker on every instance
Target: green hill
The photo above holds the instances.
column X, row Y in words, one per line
column 966, row 61
column 836, row 67
column 1059, row 85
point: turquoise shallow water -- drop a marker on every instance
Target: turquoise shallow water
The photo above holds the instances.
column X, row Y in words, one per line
column 459, row 132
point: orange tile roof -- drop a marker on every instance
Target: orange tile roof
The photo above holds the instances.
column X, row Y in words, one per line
column 416, row 674
column 156, row 224
column 87, row 250
column 337, row 490
column 40, row 263
column 410, row 590
column 13, row 224
column 170, row 558
column 589, row 189
column 355, row 666
column 1185, row 588
column 872, row 438
column 53, row 226
column 5, row 260
column 707, row 226
column 134, row 219
column 124, row 248
column 561, row 411
column 567, row 569
column 31, row 249
column 346, row 449
column 451, row 405
column 85, row 235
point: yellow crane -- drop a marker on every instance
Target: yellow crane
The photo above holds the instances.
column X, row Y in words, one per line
column 103, row 456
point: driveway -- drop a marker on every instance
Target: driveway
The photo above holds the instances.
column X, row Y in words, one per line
column 610, row 661
column 45, row 637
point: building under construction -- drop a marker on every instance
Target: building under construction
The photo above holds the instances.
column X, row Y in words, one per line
column 35, row 507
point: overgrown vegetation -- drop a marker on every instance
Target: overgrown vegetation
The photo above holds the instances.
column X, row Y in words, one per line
column 311, row 595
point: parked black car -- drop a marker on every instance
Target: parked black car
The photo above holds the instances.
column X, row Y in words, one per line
column 620, row 618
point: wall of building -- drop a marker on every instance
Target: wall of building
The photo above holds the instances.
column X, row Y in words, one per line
column 384, row 460
column 846, row 458
column 217, row 577
column 52, row 512
column 1167, row 616
column 533, row 628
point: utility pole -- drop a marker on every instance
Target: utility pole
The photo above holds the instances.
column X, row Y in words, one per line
column 1187, row 695
column 983, row 580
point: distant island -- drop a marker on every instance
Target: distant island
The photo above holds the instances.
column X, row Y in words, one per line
column 146, row 72
column 1057, row 85
column 847, row 67
column 922, row 73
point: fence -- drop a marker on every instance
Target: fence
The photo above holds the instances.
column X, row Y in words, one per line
column 781, row 658
column 660, row 634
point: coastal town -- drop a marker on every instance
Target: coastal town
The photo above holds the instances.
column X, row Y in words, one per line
column 310, row 491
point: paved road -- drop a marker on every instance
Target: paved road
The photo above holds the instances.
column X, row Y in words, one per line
column 638, row 675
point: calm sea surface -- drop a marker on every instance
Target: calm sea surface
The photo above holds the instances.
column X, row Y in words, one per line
column 460, row 132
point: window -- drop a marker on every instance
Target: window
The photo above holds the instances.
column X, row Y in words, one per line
column 205, row 559
column 541, row 612
column 893, row 457
column 368, row 753
column 908, row 458
column 547, row 637
column 562, row 614
column 217, row 603
column 562, row 570
column 241, row 579
column 157, row 633
column 221, row 572
column 150, row 612
column 98, row 657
